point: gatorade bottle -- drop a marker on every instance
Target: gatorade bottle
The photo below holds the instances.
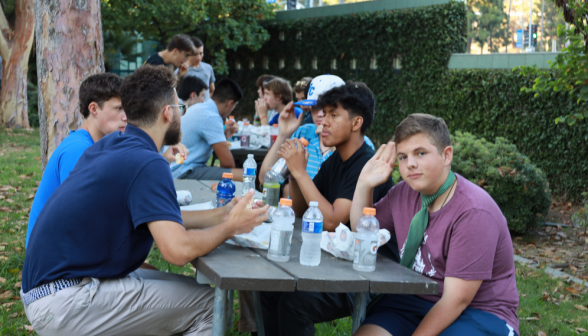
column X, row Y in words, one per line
column 280, row 169
column 271, row 188
column 281, row 234
column 274, row 134
column 366, row 241
column 245, row 135
column 225, row 190
column 249, row 168
column 312, row 228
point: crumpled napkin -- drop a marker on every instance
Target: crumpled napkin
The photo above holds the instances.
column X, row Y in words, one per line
column 260, row 136
column 258, row 238
column 341, row 243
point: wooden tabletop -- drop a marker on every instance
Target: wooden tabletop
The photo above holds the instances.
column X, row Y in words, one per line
column 233, row 267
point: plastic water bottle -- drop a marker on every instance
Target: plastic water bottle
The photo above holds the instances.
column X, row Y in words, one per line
column 280, row 169
column 245, row 135
column 271, row 189
column 225, row 190
column 366, row 241
column 249, row 168
column 274, row 131
column 312, row 228
column 281, row 233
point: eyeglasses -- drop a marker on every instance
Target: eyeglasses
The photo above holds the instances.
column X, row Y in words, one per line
column 183, row 108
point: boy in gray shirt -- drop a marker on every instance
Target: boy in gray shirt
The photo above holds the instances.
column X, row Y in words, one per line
column 200, row 69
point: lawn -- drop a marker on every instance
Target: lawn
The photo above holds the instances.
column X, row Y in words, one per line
column 552, row 306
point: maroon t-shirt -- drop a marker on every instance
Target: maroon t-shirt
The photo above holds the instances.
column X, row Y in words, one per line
column 467, row 238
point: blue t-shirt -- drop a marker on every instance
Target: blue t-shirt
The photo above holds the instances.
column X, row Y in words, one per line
column 92, row 224
column 315, row 156
column 202, row 127
column 62, row 161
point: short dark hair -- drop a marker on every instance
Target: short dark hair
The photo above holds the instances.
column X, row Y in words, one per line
column 146, row 92
column 433, row 127
column 367, row 97
column 182, row 42
column 352, row 98
column 280, row 86
column 227, row 90
column 197, row 42
column 263, row 79
column 98, row 88
column 190, row 84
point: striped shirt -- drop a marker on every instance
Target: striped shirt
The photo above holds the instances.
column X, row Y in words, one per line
column 315, row 156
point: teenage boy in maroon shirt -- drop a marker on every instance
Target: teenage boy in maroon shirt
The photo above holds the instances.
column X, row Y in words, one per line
column 466, row 246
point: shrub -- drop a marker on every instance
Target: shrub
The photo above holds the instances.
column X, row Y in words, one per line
column 519, row 188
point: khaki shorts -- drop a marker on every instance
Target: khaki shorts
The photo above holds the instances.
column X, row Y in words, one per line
column 146, row 302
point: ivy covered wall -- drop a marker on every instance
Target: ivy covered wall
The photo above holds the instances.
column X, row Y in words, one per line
column 402, row 55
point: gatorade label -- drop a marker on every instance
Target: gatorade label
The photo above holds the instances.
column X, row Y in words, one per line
column 365, row 252
column 249, row 171
column 312, row 227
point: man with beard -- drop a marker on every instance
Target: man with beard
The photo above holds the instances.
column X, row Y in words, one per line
column 81, row 276
column 203, row 129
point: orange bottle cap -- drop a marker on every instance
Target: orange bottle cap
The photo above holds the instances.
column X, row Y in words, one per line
column 369, row 211
column 286, row 202
column 232, row 117
column 304, row 142
column 228, row 175
column 275, row 125
column 246, row 123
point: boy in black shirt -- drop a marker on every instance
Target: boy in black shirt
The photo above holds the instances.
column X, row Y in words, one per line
column 179, row 48
column 349, row 111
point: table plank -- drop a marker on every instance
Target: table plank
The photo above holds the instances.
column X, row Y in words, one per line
column 234, row 267
column 200, row 192
column 392, row 278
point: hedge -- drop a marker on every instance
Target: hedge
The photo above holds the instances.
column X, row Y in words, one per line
column 486, row 103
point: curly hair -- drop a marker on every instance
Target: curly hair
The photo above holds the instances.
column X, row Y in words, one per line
column 352, row 97
column 146, row 92
column 98, row 89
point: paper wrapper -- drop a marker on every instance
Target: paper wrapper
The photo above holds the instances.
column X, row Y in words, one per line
column 260, row 137
column 340, row 243
column 258, row 238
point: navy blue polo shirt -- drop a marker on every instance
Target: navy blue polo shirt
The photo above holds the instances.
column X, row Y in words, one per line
column 92, row 225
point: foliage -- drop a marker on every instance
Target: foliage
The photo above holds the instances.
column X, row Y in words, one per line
column 518, row 187
column 580, row 218
column 552, row 19
column 221, row 24
column 486, row 103
column 488, row 23
column 118, row 47
column 571, row 65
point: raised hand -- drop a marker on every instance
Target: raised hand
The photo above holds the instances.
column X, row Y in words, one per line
column 244, row 220
column 287, row 122
column 296, row 156
column 377, row 170
column 170, row 153
column 260, row 107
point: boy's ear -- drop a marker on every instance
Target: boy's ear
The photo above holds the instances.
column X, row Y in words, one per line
column 193, row 94
column 93, row 107
column 447, row 155
column 356, row 123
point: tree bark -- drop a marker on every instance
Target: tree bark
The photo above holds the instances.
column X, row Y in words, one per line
column 69, row 49
column 15, row 49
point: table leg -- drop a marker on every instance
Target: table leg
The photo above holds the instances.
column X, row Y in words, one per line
column 359, row 305
column 220, row 311
column 230, row 298
column 258, row 314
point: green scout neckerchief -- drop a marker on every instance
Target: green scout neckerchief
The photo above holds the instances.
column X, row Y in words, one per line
column 419, row 223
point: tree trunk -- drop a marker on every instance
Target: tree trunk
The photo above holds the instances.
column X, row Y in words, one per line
column 69, row 49
column 15, row 48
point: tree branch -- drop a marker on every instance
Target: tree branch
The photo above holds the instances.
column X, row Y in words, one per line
column 3, row 22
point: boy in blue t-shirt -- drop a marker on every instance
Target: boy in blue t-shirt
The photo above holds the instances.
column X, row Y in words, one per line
column 99, row 100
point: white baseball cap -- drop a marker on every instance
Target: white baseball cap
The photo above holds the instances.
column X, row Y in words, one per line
column 320, row 85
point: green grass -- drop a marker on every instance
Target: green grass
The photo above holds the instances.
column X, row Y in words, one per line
column 21, row 169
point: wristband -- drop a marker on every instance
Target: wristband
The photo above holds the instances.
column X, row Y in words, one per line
column 262, row 117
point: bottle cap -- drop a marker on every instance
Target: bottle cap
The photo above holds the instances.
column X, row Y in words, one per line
column 246, row 123
column 228, row 175
column 250, row 156
column 231, row 118
column 315, row 204
column 275, row 125
column 227, row 122
column 286, row 202
column 304, row 142
column 369, row 211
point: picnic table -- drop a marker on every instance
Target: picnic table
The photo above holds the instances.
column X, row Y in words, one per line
column 232, row 268
column 240, row 155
